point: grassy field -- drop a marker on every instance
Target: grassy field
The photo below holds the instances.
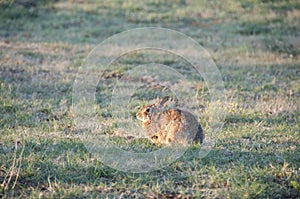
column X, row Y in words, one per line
column 256, row 46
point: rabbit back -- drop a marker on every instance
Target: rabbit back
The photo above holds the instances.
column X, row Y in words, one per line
column 176, row 126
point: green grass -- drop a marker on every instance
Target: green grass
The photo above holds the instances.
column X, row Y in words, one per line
column 255, row 45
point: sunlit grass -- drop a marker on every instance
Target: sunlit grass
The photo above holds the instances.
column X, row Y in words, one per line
column 255, row 45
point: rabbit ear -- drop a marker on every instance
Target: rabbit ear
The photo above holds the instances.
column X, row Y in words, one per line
column 162, row 101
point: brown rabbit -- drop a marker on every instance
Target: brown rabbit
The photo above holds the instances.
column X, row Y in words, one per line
column 169, row 126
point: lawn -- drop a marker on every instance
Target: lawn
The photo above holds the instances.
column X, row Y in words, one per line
column 255, row 45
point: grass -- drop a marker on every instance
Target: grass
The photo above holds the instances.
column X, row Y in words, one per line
column 255, row 45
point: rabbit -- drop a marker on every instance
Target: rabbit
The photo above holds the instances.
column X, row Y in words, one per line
column 167, row 127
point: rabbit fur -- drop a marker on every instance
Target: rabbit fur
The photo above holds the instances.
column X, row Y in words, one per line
column 169, row 126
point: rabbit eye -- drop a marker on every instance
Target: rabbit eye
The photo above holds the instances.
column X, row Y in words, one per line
column 155, row 137
column 148, row 110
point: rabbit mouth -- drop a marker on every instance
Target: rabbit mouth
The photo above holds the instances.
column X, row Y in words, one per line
column 140, row 118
